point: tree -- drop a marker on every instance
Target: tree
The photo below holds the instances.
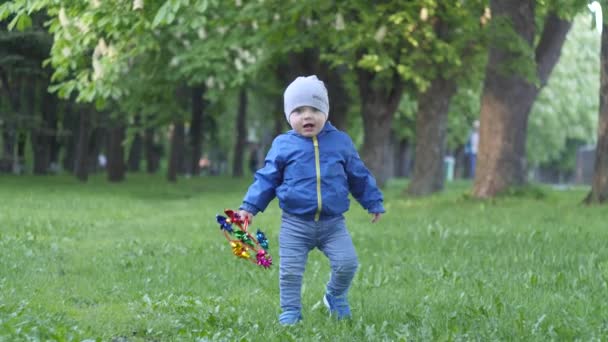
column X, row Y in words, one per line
column 455, row 59
column 431, row 133
column 21, row 78
column 116, row 166
column 558, row 121
column 599, row 186
column 196, row 128
column 81, row 168
column 511, row 85
column 44, row 135
column 391, row 47
column 145, row 49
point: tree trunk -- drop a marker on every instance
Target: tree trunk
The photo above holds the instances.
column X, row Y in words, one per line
column 98, row 141
column 152, row 151
column 402, row 158
column 80, row 164
column 137, row 146
column 459, row 163
column 43, row 135
column 599, row 184
column 8, row 126
column 28, row 120
column 135, row 153
column 241, row 135
column 338, row 96
column 19, row 165
column 431, row 134
column 116, row 153
column 70, row 124
column 508, row 97
column 9, row 131
column 176, row 159
column 379, row 103
column 8, row 148
column 54, row 143
column 196, row 129
column 280, row 122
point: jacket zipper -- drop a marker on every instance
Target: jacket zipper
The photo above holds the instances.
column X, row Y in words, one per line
column 315, row 142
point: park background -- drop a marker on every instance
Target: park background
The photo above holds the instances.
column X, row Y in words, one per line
column 128, row 125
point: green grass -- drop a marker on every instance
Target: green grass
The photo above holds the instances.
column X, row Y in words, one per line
column 145, row 261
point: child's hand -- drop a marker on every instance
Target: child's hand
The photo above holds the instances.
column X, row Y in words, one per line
column 376, row 217
column 246, row 215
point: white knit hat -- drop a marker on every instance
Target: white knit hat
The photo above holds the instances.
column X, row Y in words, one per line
column 306, row 91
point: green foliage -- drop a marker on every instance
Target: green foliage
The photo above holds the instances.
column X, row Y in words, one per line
column 418, row 41
column 145, row 260
column 567, row 107
column 404, row 124
column 464, row 110
column 102, row 55
column 523, row 61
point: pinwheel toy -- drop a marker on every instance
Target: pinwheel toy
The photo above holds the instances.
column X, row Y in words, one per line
column 244, row 245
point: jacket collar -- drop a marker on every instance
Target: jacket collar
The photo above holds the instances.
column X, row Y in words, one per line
column 328, row 127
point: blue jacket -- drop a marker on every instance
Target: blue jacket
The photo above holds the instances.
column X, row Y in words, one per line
column 312, row 177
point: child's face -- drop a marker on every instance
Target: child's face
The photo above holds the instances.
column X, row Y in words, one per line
column 307, row 121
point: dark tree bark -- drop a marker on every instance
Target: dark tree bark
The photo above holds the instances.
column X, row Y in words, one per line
column 176, row 157
column 54, row 139
column 98, row 138
column 135, row 153
column 136, row 149
column 379, row 103
column 8, row 148
column 27, row 114
column 459, row 162
column 70, row 123
column 196, row 128
column 116, row 152
column 9, row 131
column 43, row 135
column 339, row 100
column 431, row 133
column 20, row 162
column 402, row 158
column 81, row 163
column 152, row 151
column 241, row 134
column 338, row 96
column 280, row 122
column 508, row 97
column 599, row 184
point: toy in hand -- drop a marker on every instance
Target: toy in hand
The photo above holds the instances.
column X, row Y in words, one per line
column 243, row 244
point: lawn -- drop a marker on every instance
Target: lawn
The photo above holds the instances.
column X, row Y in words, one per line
column 145, row 261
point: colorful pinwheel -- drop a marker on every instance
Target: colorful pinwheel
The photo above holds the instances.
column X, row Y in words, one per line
column 242, row 243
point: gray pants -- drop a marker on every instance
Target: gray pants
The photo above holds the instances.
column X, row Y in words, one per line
column 296, row 239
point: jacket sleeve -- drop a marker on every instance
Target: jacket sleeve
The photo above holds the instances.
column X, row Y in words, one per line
column 361, row 183
column 266, row 180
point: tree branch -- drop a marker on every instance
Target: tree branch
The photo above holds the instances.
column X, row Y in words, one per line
column 550, row 45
